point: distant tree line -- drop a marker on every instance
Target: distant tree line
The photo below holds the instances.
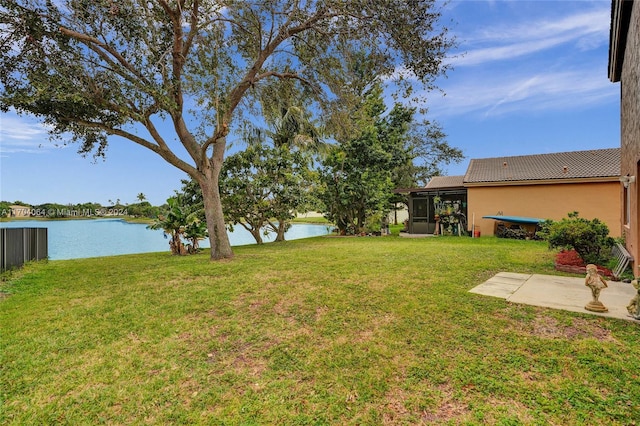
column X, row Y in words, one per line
column 142, row 209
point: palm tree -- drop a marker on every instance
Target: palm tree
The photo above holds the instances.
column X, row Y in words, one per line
column 172, row 225
column 141, row 197
column 176, row 224
column 295, row 129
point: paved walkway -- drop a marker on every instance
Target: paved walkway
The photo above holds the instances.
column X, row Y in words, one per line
column 558, row 292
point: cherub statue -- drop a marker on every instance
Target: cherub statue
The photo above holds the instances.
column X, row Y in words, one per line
column 634, row 306
column 596, row 283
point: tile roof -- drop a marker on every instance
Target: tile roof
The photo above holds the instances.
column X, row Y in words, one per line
column 440, row 182
column 563, row 165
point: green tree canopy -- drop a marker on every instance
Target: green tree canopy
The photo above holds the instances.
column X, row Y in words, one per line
column 91, row 69
column 391, row 151
column 263, row 187
column 357, row 173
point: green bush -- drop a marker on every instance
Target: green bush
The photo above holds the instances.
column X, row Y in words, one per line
column 590, row 238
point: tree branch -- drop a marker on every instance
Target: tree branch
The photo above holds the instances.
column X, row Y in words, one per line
column 195, row 9
column 280, row 75
column 113, row 66
column 179, row 54
column 163, row 151
column 176, row 53
column 91, row 41
column 187, row 139
column 284, row 33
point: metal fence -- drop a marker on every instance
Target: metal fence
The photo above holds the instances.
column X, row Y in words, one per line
column 20, row 245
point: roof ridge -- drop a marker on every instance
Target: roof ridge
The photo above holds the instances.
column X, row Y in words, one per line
column 548, row 153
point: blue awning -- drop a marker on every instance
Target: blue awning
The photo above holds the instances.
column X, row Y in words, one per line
column 516, row 219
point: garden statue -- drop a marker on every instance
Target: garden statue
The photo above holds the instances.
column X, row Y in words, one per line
column 634, row 305
column 594, row 281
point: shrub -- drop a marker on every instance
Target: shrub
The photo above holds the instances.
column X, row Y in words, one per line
column 590, row 238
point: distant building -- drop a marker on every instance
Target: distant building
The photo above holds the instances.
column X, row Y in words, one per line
column 624, row 67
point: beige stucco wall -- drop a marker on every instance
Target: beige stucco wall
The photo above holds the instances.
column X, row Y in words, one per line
column 630, row 129
column 546, row 201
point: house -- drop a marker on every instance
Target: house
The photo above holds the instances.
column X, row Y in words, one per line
column 624, row 67
column 544, row 186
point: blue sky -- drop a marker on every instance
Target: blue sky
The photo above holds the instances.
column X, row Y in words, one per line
column 528, row 78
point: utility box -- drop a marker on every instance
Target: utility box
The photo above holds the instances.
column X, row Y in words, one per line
column 20, row 245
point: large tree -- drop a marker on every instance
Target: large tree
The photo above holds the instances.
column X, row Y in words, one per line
column 273, row 179
column 263, row 188
column 390, row 150
column 91, row 69
column 357, row 175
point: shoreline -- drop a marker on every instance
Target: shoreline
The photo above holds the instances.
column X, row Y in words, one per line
column 127, row 219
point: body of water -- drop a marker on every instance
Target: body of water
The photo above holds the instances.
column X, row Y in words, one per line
column 73, row 239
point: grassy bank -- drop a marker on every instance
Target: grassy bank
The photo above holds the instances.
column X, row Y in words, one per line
column 323, row 331
column 311, row 220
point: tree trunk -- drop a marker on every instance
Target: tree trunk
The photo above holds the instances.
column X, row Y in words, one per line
column 218, row 237
column 361, row 217
column 257, row 234
column 282, row 227
column 177, row 248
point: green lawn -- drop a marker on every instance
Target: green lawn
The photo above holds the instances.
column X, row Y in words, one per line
column 328, row 330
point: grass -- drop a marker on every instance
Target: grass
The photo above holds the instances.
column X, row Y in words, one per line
column 311, row 220
column 143, row 220
column 320, row 331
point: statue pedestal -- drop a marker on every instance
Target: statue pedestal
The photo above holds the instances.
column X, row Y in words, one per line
column 596, row 306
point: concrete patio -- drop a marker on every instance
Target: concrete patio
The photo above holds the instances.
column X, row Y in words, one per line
column 557, row 292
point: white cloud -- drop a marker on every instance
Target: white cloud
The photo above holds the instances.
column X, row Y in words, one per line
column 513, row 92
column 586, row 30
column 19, row 134
column 551, row 61
column 579, row 24
column 14, row 128
column 511, row 51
